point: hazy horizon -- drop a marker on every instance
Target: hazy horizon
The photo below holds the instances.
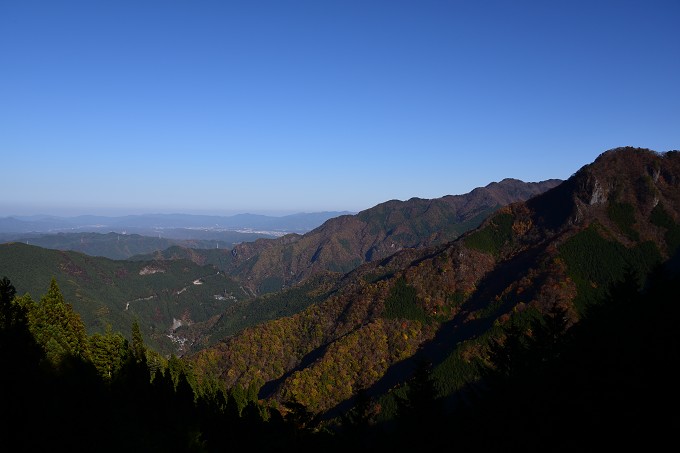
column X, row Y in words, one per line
column 60, row 212
column 294, row 106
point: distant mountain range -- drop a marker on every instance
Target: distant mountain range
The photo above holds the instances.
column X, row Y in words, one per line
column 125, row 236
column 167, row 225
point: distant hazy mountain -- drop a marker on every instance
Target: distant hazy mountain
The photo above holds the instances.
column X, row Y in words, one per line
column 123, row 237
column 175, row 224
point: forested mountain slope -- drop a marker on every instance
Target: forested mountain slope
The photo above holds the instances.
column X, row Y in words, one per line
column 163, row 296
column 448, row 303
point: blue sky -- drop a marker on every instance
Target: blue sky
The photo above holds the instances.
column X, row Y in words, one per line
column 117, row 107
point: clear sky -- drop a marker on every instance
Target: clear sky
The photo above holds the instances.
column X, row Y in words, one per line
column 116, row 107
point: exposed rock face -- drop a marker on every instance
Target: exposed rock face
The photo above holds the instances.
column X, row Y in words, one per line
column 598, row 194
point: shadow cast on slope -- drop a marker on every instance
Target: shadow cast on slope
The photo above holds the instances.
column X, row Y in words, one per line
column 458, row 329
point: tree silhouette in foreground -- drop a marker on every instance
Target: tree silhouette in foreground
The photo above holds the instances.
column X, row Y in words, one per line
column 420, row 415
column 606, row 382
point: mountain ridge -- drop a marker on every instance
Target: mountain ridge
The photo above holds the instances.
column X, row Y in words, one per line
column 343, row 243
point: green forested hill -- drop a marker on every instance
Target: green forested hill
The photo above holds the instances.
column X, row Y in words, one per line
column 161, row 295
